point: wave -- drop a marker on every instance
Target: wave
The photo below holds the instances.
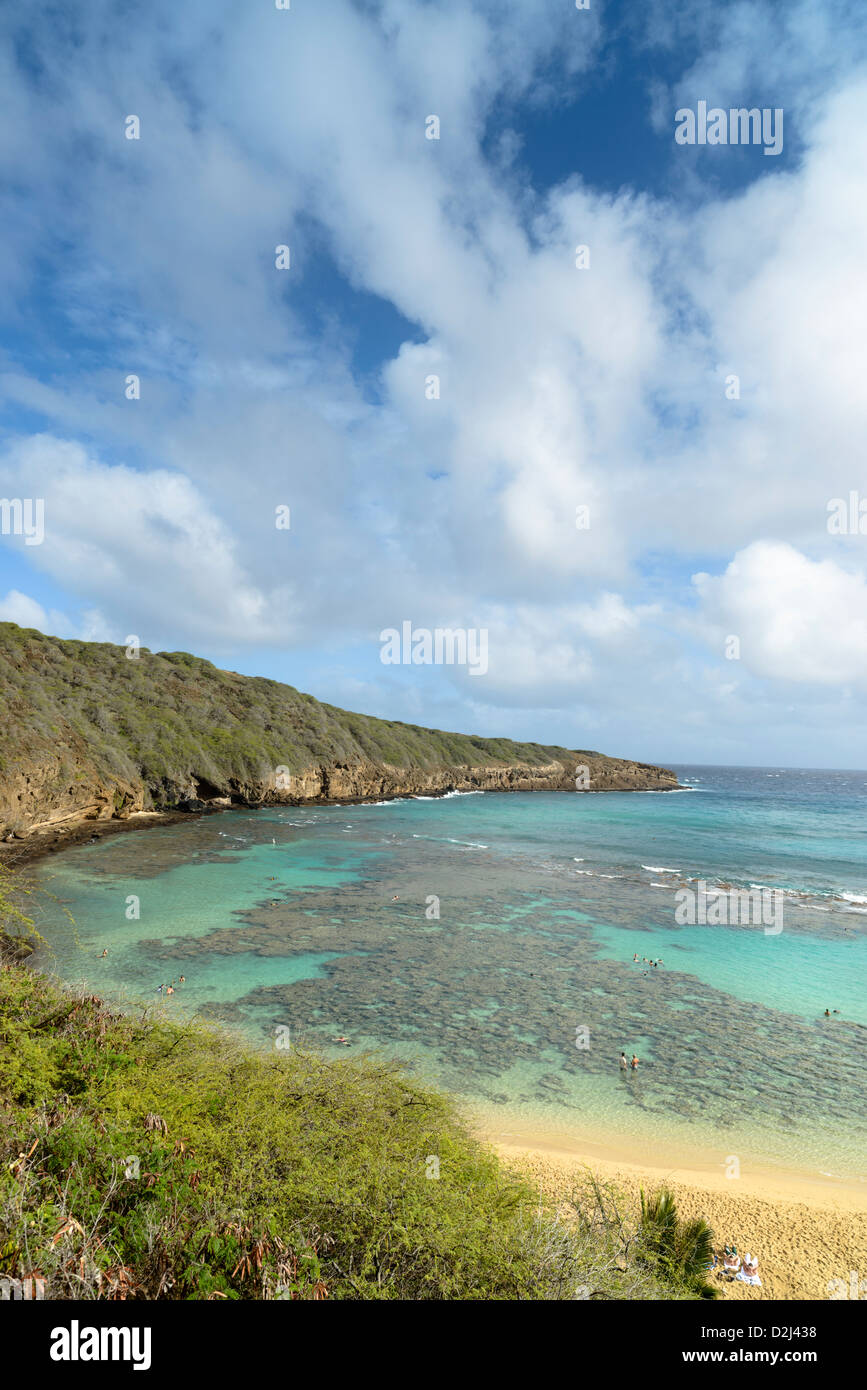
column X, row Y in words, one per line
column 398, row 800
column 659, row 869
column 448, row 840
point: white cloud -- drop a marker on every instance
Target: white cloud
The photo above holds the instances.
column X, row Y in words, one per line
column 560, row 387
column 797, row 619
column 145, row 546
column 26, row 612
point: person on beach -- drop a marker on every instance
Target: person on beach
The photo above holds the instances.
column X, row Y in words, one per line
column 749, row 1271
column 634, row 1062
column 623, row 1062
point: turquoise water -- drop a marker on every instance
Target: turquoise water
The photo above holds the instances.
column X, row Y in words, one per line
column 488, row 942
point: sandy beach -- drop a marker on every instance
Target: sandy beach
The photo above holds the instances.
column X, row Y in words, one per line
column 804, row 1233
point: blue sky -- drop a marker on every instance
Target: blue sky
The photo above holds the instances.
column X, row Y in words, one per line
column 607, row 386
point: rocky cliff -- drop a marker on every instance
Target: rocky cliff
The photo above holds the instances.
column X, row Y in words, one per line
column 92, row 732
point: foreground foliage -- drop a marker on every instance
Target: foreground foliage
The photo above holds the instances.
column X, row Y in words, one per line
column 683, row 1247
column 152, row 1159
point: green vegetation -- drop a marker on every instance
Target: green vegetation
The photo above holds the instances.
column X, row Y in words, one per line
column 81, row 719
column 140, row 1158
column 683, row 1248
column 18, row 938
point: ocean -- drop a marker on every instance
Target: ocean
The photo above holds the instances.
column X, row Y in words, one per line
column 487, row 942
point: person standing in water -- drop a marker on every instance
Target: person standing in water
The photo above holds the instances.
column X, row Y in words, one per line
column 634, row 1063
column 623, row 1062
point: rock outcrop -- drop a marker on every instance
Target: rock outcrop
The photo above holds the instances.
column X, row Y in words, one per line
column 92, row 735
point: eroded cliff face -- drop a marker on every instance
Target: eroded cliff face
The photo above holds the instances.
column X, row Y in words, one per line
column 365, row 781
column 41, row 795
column 41, row 798
column 89, row 735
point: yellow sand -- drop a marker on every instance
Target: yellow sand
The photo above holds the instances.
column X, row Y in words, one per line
column 804, row 1232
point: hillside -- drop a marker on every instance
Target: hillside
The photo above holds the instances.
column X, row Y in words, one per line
column 89, row 734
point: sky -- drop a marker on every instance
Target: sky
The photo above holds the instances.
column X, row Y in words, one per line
column 621, row 464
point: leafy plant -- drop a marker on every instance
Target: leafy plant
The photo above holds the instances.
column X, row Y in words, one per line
column 682, row 1248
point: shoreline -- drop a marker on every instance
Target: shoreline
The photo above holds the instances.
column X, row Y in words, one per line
column 810, row 1243
column 39, row 844
column 656, row 1167
column 42, row 841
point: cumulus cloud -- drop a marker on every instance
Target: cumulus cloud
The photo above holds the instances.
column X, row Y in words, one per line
column 559, row 388
column 796, row 619
column 26, row 612
column 144, row 545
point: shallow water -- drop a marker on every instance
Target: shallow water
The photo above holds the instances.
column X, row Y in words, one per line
column 520, row 995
